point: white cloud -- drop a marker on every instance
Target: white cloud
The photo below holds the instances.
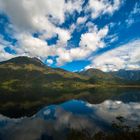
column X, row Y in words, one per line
column 72, row 54
column 93, row 40
column 100, row 7
column 73, row 5
column 64, row 36
column 91, row 27
column 30, row 16
column 124, row 57
column 49, row 61
column 36, row 15
column 3, row 42
column 89, row 43
column 33, row 46
column 131, row 18
column 3, row 54
column 44, row 16
column 33, row 15
column 81, row 20
column 136, row 9
column 129, row 21
column 112, row 38
column 33, row 11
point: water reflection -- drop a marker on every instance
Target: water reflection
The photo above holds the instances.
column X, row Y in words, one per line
column 28, row 102
column 54, row 122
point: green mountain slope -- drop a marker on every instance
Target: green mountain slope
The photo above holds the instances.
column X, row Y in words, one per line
column 27, row 84
column 99, row 77
column 24, row 72
column 132, row 76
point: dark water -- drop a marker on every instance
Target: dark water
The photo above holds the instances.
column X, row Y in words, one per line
column 92, row 112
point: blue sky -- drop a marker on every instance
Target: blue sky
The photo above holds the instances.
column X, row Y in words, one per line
column 74, row 34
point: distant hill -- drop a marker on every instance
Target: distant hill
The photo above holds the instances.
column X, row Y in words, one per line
column 24, row 72
column 117, row 77
column 130, row 75
column 99, row 77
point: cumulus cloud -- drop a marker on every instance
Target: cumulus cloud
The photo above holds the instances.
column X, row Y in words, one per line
column 32, row 46
column 3, row 54
column 33, row 14
column 64, row 36
column 81, row 20
column 73, row 5
column 126, row 56
column 47, row 17
column 89, row 43
column 93, row 40
column 100, row 7
column 43, row 16
column 37, row 15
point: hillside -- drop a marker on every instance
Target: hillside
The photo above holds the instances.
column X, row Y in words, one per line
column 99, row 77
column 25, row 72
column 130, row 75
column 121, row 77
column 27, row 84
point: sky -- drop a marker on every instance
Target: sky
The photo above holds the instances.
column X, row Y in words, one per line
column 72, row 34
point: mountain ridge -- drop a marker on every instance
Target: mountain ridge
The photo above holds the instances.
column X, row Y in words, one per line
column 26, row 84
column 22, row 72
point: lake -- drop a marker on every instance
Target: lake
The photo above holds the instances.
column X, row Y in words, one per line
column 82, row 115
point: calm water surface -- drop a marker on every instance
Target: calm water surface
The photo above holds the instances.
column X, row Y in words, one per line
column 54, row 121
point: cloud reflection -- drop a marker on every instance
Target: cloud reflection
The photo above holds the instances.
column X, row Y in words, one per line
column 53, row 121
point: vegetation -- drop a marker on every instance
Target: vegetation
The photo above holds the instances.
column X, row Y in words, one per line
column 124, row 135
column 26, row 85
column 23, row 72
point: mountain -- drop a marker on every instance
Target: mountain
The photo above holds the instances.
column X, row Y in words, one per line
column 24, row 72
column 117, row 77
column 99, row 77
column 27, row 84
column 129, row 75
column 22, row 60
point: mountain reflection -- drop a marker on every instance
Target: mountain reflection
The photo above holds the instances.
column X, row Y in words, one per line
column 54, row 122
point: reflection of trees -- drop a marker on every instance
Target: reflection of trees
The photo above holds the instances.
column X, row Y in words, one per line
column 122, row 132
column 123, row 135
